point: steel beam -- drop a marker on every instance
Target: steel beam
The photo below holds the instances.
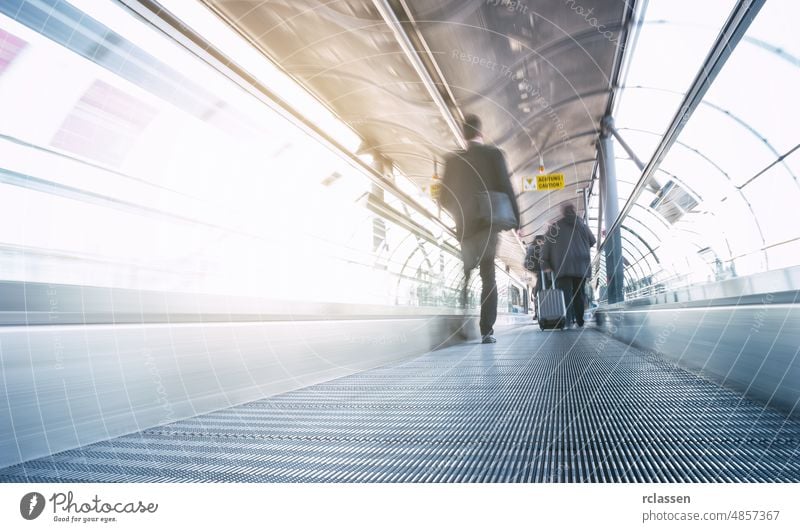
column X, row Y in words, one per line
column 632, row 154
column 411, row 54
column 732, row 32
column 600, row 208
column 608, row 186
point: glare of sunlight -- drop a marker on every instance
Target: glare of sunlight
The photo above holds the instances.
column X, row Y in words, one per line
column 243, row 53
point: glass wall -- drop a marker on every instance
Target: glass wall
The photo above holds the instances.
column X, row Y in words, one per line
column 720, row 204
column 125, row 161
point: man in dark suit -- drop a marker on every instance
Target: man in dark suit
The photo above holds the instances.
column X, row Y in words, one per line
column 467, row 173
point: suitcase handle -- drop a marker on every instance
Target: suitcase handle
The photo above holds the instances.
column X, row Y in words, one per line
column 553, row 279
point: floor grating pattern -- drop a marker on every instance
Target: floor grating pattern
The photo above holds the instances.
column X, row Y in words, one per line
column 535, row 407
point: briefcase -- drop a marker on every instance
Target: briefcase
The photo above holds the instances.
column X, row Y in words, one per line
column 495, row 210
column 552, row 307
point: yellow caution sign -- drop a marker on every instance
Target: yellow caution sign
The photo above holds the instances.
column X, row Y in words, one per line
column 549, row 182
column 435, row 190
column 528, row 184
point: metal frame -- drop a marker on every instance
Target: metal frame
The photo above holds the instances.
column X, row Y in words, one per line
column 635, row 11
column 163, row 21
column 151, row 11
column 390, row 18
column 628, row 149
column 769, row 166
column 731, row 34
column 734, row 188
column 750, row 129
column 546, row 196
column 632, row 7
column 650, row 249
column 645, row 225
column 615, row 274
column 441, row 81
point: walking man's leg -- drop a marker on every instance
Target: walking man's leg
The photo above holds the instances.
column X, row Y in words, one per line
column 488, row 296
column 579, row 297
column 565, row 285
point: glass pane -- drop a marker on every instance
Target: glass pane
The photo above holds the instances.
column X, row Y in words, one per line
column 148, row 169
column 719, row 206
column 674, row 38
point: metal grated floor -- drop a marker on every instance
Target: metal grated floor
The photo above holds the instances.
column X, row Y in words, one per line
column 535, row 407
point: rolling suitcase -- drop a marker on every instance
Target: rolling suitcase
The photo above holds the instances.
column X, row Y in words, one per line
column 552, row 308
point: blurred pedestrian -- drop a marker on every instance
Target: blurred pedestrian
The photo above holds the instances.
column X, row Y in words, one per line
column 476, row 190
column 566, row 253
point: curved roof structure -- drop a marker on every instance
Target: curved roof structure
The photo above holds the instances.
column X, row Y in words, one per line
column 540, row 75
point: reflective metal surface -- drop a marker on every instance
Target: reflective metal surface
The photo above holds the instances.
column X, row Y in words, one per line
column 535, row 407
column 743, row 333
column 66, row 386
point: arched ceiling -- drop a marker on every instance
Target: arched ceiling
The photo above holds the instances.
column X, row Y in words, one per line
column 539, row 73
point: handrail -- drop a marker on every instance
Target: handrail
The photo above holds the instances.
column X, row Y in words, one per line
column 163, row 20
column 732, row 32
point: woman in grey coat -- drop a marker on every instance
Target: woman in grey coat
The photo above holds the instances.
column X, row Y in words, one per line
column 566, row 253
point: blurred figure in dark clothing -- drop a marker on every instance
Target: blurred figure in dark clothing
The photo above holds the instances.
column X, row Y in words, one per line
column 566, row 252
column 478, row 169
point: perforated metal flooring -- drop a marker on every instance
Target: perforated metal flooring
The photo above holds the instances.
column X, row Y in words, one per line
column 535, row 407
